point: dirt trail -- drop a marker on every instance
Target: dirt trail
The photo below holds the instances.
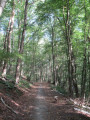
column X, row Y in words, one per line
column 41, row 110
column 38, row 104
column 45, row 107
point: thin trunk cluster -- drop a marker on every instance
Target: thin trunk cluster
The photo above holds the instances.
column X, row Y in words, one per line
column 21, row 44
column 70, row 55
column 7, row 42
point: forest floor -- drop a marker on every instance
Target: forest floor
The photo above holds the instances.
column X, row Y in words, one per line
column 36, row 103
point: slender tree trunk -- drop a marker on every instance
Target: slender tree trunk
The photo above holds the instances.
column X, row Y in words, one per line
column 84, row 70
column 56, row 75
column 2, row 5
column 4, row 70
column 34, row 50
column 69, row 46
column 69, row 50
column 84, row 75
column 89, row 66
column 71, row 58
column 46, row 76
column 53, row 57
column 9, row 70
column 50, row 70
column 41, row 74
column 74, row 76
column 17, row 76
column 8, row 39
column 17, row 72
column 89, row 74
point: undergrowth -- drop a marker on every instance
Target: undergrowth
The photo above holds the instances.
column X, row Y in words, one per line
column 59, row 89
column 8, row 84
column 24, row 83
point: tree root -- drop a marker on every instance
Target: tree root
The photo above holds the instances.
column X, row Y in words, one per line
column 8, row 106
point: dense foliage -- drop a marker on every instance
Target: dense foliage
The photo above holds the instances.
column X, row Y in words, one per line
column 47, row 41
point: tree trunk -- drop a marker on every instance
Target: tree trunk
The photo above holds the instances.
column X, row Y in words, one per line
column 4, row 69
column 71, row 58
column 17, row 75
column 89, row 67
column 84, row 70
column 7, row 47
column 69, row 50
column 53, row 57
column 2, row 5
column 74, row 76
column 83, row 84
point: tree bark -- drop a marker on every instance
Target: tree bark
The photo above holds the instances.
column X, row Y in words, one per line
column 17, row 75
column 2, row 5
column 84, row 70
column 69, row 50
column 53, row 57
column 7, row 43
column 71, row 58
column 83, row 83
column 89, row 66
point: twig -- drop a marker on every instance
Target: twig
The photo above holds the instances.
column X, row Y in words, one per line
column 8, row 106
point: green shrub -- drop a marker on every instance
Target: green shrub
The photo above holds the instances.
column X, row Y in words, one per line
column 61, row 90
column 9, row 84
column 24, row 83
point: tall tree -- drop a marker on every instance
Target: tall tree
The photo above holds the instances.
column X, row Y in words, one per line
column 7, row 42
column 17, row 75
column 84, row 69
column 70, row 54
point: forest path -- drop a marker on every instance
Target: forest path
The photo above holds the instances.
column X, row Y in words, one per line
column 41, row 110
column 38, row 103
column 45, row 107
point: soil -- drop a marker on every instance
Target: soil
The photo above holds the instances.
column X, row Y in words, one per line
column 39, row 102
